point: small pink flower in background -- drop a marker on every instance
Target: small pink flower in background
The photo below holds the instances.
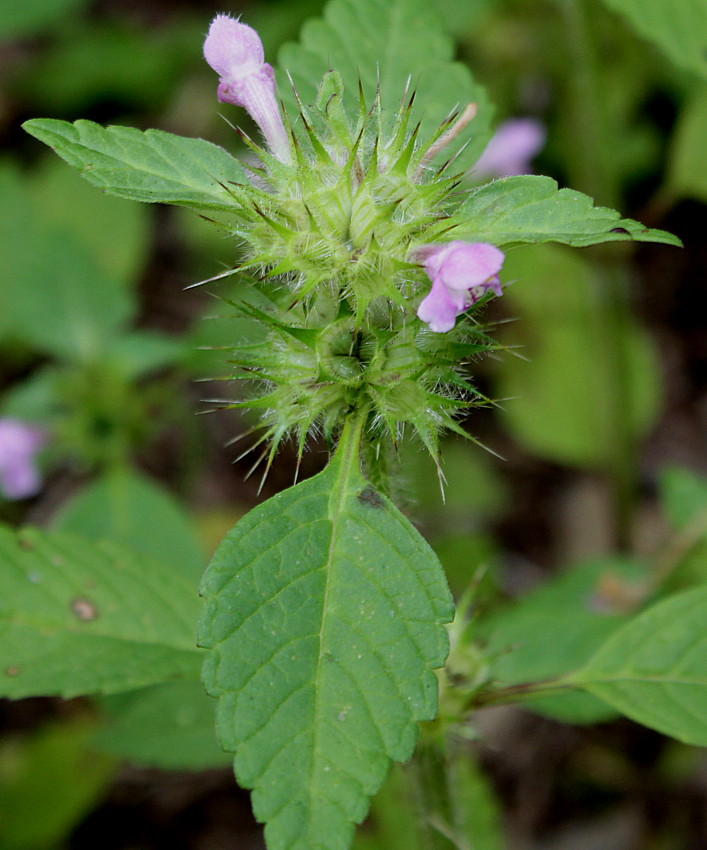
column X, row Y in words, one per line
column 235, row 51
column 461, row 273
column 19, row 443
column 511, row 149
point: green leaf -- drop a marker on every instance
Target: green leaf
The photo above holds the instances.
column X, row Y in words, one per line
column 678, row 27
column 560, row 403
column 531, row 208
column 151, row 166
column 64, row 201
column 390, row 41
column 31, row 16
column 126, row 508
column 136, row 354
column 84, row 618
column 684, row 498
column 687, row 159
column 574, row 613
column 323, row 620
column 654, row 669
column 57, row 766
column 170, row 726
column 54, row 295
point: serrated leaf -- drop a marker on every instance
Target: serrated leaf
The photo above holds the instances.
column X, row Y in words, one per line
column 573, row 612
column 84, row 618
column 323, row 620
column 678, row 27
column 170, row 726
column 151, row 166
column 654, row 669
column 392, row 41
column 531, row 208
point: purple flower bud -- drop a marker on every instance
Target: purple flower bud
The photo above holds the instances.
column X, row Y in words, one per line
column 461, row 273
column 511, row 149
column 19, row 443
column 235, row 51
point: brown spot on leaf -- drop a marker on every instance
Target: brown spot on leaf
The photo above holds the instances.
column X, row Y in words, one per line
column 23, row 543
column 368, row 496
column 83, row 609
column 12, row 671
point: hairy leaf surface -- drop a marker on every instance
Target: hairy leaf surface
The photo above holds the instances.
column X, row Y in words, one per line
column 531, row 208
column 83, row 618
column 654, row 669
column 324, row 620
column 151, row 166
column 392, row 42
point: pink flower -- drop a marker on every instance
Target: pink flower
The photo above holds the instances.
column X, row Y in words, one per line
column 19, row 443
column 511, row 149
column 461, row 273
column 235, row 51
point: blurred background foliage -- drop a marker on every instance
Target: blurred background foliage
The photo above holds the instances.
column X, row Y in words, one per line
column 592, row 499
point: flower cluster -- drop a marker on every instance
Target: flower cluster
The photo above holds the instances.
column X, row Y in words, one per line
column 342, row 242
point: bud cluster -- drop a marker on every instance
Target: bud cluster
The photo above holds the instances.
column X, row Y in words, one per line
column 342, row 228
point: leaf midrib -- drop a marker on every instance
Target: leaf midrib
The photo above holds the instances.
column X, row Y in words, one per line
column 348, row 457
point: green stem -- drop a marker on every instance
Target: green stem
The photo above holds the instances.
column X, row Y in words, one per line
column 519, row 693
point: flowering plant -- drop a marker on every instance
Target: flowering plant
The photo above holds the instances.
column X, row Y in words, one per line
column 367, row 263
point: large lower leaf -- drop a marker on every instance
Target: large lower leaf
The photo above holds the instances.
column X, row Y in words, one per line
column 396, row 43
column 654, row 669
column 531, row 208
column 678, row 27
column 151, row 166
column 323, row 620
column 83, row 618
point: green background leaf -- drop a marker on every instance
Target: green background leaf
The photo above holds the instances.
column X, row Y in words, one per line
column 687, row 159
column 654, row 669
column 171, row 726
column 48, row 781
column 324, row 616
column 531, row 208
column 560, row 397
column 126, row 508
column 154, row 166
column 390, row 40
column 84, row 618
column 116, row 232
column 574, row 613
column 54, row 294
column 678, row 27
column 30, row 16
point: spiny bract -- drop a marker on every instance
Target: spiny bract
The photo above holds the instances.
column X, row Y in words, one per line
column 330, row 240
